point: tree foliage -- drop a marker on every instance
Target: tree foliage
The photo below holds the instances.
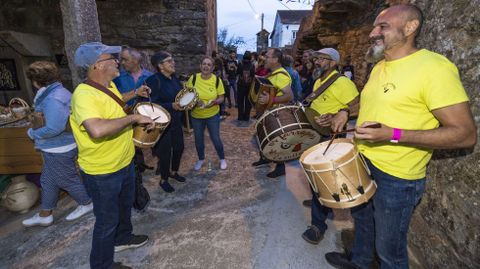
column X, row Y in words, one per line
column 226, row 42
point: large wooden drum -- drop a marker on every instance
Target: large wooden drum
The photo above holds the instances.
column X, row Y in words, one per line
column 340, row 178
column 143, row 138
column 284, row 133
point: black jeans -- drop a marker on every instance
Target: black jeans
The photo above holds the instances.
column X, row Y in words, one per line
column 169, row 150
column 244, row 105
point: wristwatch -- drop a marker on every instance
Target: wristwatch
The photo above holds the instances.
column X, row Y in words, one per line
column 346, row 110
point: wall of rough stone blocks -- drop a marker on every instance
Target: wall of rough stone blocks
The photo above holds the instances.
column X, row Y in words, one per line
column 445, row 230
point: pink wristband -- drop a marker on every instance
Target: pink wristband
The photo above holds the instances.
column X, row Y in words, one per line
column 397, row 134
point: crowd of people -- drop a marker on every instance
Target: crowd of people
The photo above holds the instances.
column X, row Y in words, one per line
column 415, row 96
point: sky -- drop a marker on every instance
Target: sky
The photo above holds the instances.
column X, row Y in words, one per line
column 241, row 18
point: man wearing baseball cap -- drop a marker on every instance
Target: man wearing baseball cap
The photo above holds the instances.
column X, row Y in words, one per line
column 103, row 132
column 334, row 105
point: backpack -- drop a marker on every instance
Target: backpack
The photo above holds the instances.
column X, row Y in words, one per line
column 246, row 77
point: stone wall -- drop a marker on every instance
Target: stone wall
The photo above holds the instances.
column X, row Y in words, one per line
column 186, row 28
column 445, row 230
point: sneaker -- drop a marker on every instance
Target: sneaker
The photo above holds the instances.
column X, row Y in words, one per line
column 178, row 178
column 340, row 260
column 136, row 242
column 119, row 265
column 80, row 211
column 223, row 164
column 276, row 173
column 307, row 203
column 260, row 162
column 166, row 186
column 36, row 220
column 312, row 235
column 198, row 165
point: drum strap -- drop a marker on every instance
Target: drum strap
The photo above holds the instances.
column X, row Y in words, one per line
column 317, row 92
column 217, row 80
column 106, row 91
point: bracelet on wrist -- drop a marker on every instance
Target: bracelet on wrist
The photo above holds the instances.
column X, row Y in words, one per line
column 396, row 135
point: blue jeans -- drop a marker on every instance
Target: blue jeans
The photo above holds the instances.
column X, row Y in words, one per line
column 213, row 126
column 112, row 196
column 382, row 223
column 233, row 84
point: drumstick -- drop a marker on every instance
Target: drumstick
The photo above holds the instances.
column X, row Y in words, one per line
column 329, row 143
column 376, row 125
column 149, row 97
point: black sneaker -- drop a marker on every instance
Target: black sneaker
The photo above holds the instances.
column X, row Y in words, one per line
column 307, row 203
column 276, row 173
column 119, row 265
column 178, row 178
column 135, row 242
column 260, row 162
column 312, row 235
column 340, row 260
column 166, row 186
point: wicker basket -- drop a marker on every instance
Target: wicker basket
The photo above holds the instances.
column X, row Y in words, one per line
column 19, row 107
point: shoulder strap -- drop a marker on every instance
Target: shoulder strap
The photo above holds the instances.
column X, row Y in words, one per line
column 194, row 79
column 317, row 92
column 102, row 88
column 217, row 81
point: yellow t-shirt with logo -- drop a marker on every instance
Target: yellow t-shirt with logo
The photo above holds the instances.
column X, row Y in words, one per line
column 207, row 92
column 103, row 155
column 280, row 81
column 402, row 94
column 336, row 96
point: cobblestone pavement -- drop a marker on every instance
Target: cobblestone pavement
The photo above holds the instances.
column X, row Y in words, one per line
column 233, row 218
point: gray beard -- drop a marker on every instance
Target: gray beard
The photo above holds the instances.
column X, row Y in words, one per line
column 375, row 53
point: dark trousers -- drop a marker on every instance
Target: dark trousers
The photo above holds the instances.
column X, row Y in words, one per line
column 169, row 150
column 112, row 195
column 244, row 105
column 319, row 213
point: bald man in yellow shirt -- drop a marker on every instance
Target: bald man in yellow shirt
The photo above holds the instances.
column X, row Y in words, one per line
column 417, row 97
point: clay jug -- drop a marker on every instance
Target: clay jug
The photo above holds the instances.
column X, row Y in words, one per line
column 20, row 195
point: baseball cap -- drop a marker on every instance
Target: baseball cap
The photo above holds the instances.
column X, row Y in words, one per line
column 88, row 53
column 333, row 53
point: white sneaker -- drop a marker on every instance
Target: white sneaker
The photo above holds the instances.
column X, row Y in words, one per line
column 37, row 220
column 223, row 164
column 79, row 211
column 198, row 165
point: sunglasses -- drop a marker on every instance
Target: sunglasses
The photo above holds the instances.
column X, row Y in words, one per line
column 108, row 59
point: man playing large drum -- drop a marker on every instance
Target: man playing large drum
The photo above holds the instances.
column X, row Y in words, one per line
column 418, row 98
column 103, row 132
column 282, row 82
column 334, row 106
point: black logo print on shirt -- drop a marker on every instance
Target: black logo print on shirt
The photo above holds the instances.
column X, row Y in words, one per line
column 388, row 87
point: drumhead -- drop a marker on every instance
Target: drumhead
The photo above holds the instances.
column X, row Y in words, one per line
column 186, row 99
column 146, row 110
column 335, row 151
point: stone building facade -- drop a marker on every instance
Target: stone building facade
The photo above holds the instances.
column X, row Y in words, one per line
column 186, row 28
column 444, row 232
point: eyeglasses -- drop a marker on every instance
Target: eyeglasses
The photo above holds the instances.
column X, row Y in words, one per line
column 108, row 59
column 168, row 60
column 323, row 58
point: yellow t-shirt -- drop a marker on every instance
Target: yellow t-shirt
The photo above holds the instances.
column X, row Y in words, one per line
column 336, row 96
column 280, row 81
column 104, row 155
column 206, row 92
column 402, row 94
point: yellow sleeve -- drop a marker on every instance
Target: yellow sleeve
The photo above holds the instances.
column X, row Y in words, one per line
column 189, row 82
column 347, row 91
column 444, row 87
column 85, row 106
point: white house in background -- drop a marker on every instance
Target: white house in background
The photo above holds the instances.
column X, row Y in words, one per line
column 287, row 23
